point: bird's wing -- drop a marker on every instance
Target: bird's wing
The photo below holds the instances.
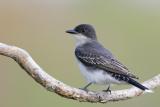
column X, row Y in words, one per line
column 101, row 61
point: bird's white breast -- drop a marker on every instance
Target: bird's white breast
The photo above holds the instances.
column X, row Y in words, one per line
column 97, row 76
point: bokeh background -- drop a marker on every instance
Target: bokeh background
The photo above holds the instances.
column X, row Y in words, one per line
column 129, row 28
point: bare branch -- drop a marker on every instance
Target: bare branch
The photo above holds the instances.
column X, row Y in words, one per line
column 53, row 85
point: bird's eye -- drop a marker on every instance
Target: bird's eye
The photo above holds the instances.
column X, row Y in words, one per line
column 83, row 30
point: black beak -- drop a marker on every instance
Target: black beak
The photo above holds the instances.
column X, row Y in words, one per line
column 71, row 32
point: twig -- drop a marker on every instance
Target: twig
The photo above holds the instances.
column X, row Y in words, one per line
column 53, row 85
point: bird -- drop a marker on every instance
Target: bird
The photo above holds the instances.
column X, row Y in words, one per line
column 97, row 64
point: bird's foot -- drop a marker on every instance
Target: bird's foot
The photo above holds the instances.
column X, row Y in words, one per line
column 108, row 91
column 84, row 89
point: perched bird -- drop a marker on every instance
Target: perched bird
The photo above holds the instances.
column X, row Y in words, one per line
column 97, row 64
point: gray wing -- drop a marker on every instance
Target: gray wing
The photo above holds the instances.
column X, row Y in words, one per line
column 97, row 56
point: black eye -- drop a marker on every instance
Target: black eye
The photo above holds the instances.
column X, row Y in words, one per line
column 83, row 30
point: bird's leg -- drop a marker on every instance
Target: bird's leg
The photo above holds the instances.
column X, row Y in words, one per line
column 108, row 89
column 85, row 88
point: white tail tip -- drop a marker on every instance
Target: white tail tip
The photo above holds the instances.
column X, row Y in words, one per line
column 149, row 91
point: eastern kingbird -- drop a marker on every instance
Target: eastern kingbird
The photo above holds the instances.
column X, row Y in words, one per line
column 97, row 64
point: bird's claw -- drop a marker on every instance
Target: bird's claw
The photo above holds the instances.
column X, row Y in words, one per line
column 108, row 91
column 84, row 89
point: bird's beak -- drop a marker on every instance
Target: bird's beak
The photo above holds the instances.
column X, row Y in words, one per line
column 71, row 31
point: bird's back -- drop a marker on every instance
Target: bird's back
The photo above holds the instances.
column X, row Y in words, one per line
column 95, row 55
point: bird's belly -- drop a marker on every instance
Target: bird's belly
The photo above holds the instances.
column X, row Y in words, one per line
column 97, row 76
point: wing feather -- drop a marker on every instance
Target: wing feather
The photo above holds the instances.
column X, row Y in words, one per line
column 101, row 61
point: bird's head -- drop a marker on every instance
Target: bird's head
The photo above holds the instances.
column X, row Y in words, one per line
column 83, row 31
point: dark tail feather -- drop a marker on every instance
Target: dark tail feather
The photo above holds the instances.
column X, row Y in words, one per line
column 138, row 85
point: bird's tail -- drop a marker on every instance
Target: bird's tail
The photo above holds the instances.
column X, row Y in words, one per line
column 138, row 85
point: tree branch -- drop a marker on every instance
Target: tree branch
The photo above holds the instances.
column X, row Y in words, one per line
column 53, row 85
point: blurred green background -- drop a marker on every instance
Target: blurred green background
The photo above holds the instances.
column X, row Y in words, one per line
column 129, row 28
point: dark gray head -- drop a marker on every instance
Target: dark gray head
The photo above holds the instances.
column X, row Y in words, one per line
column 85, row 30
